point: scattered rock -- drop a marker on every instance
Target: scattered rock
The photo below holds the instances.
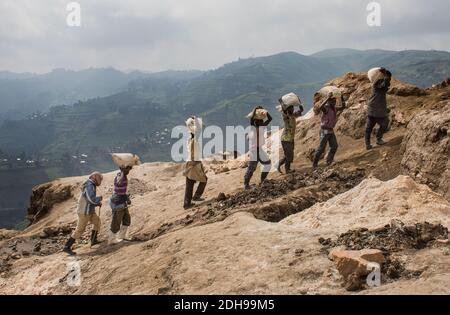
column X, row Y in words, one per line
column 53, row 231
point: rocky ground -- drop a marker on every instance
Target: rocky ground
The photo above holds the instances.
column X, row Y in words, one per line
column 303, row 233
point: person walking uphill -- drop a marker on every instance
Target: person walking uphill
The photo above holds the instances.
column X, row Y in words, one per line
column 193, row 169
column 377, row 111
column 288, row 135
column 119, row 202
column 328, row 121
column 259, row 119
column 87, row 202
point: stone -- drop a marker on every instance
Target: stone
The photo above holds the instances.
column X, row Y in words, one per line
column 221, row 197
column 51, row 231
column 444, row 242
column 350, row 262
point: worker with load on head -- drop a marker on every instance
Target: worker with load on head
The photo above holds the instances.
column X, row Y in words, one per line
column 193, row 169
column 119, row 202
column 259, row 119
column 328, row 120
column 377, row 111
column 286, row 107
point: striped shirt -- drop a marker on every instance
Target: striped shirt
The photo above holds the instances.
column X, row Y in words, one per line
column 120, row 184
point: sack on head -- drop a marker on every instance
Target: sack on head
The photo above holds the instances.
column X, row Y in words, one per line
column 323, row 94
column 326, row 90
column 375, row 75
column 125, row 159
column 194, row 124
column 289, row 100
column 260, row 114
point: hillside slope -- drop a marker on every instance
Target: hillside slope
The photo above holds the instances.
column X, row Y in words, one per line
column 275, row 238
column 23, row 94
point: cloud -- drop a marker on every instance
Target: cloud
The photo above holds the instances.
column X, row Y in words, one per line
column 202, row 34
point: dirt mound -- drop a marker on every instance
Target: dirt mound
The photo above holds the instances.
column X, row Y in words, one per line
column 426, row 149
column 391, row 238
column 44, row 197
column 272, row 189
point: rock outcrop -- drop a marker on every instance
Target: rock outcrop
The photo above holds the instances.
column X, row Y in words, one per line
column 426, row 149
column 44, row 197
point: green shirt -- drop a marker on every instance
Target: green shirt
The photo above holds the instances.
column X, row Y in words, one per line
column 290, row 125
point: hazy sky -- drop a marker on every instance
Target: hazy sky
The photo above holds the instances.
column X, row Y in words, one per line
column 156, row 35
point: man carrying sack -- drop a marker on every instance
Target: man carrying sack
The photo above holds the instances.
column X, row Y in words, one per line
column 193, row 169
column 328, row 119
column 259, row 120
column 286, row 108
column 120, row 200
column 87, row 202
column 377, row 111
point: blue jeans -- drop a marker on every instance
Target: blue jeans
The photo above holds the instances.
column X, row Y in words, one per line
column 329, row 137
